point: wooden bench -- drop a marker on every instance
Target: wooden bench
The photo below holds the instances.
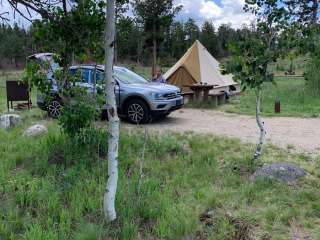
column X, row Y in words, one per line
column 187, row 96
column 235, row 93
column 218, row 98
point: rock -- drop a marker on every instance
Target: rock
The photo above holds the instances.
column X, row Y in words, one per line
column 9, row 120
column 283, row 172
column 35, row 130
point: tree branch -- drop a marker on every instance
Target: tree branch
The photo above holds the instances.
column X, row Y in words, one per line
column 16, row 9
column 3, row 18
column 39, row 6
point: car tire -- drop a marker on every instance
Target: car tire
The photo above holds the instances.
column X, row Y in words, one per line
column 54, row 109
column 137, row 112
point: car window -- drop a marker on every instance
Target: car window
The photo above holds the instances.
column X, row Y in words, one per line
column 99, row 77
column 73, row 72
column 126, row 76
column 85, row 75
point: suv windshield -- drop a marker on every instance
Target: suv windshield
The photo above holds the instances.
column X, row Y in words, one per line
column 127, row 77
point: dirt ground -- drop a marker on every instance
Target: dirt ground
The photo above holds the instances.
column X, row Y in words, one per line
column 298, row 134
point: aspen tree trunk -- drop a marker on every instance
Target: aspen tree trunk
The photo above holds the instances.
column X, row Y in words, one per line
column 260, row 125
column 113, row 123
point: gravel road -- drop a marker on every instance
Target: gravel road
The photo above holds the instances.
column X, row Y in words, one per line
column 301, row 134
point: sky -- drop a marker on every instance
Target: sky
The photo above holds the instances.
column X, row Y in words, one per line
column 217, row 11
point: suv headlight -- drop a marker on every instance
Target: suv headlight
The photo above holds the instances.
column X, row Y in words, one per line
column 158, row 96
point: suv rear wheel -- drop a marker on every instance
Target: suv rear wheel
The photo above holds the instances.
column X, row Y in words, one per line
column 54, row 109
column 137, row 111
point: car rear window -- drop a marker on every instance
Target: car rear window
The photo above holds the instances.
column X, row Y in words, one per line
column 85, row 75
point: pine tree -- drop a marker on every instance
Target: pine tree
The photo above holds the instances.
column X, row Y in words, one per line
column 155, row 16
column 209, row 38
column 192, row 31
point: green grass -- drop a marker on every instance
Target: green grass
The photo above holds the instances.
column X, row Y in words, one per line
column 295, row 100
column 52, row 188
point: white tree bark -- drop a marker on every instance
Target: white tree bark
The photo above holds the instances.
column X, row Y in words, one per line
column 260, row 123
column 113, row 123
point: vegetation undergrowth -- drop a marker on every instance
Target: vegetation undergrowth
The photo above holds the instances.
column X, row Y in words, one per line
column 295, row 99
column 182, row 187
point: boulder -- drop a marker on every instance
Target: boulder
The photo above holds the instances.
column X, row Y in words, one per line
column 35, row 130
column 9, row 120
column 283, row 172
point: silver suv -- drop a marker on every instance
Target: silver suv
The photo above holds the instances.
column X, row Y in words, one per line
column 138, row 100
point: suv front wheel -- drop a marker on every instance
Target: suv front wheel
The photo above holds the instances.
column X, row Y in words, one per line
column 137, row 111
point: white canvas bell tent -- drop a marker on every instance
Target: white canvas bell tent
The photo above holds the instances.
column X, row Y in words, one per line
column 199, row 66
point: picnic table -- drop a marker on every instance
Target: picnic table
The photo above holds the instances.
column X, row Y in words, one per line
column 198, row 89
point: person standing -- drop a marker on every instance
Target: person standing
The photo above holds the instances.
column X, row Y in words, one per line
column 158, row 78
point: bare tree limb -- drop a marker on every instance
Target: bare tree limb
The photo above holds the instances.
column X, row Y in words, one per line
column 3, row 16
column 16, row 9
column 42, row 7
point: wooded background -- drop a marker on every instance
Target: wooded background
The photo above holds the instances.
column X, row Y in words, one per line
column 16, row 42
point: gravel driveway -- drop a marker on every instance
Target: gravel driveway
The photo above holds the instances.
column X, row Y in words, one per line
column 301, row 134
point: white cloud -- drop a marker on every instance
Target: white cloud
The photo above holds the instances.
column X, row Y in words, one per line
column 210, row 10
column 228, row 12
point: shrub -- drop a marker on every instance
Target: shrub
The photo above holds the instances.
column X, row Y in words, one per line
column 85, row 147
column 78, row 113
